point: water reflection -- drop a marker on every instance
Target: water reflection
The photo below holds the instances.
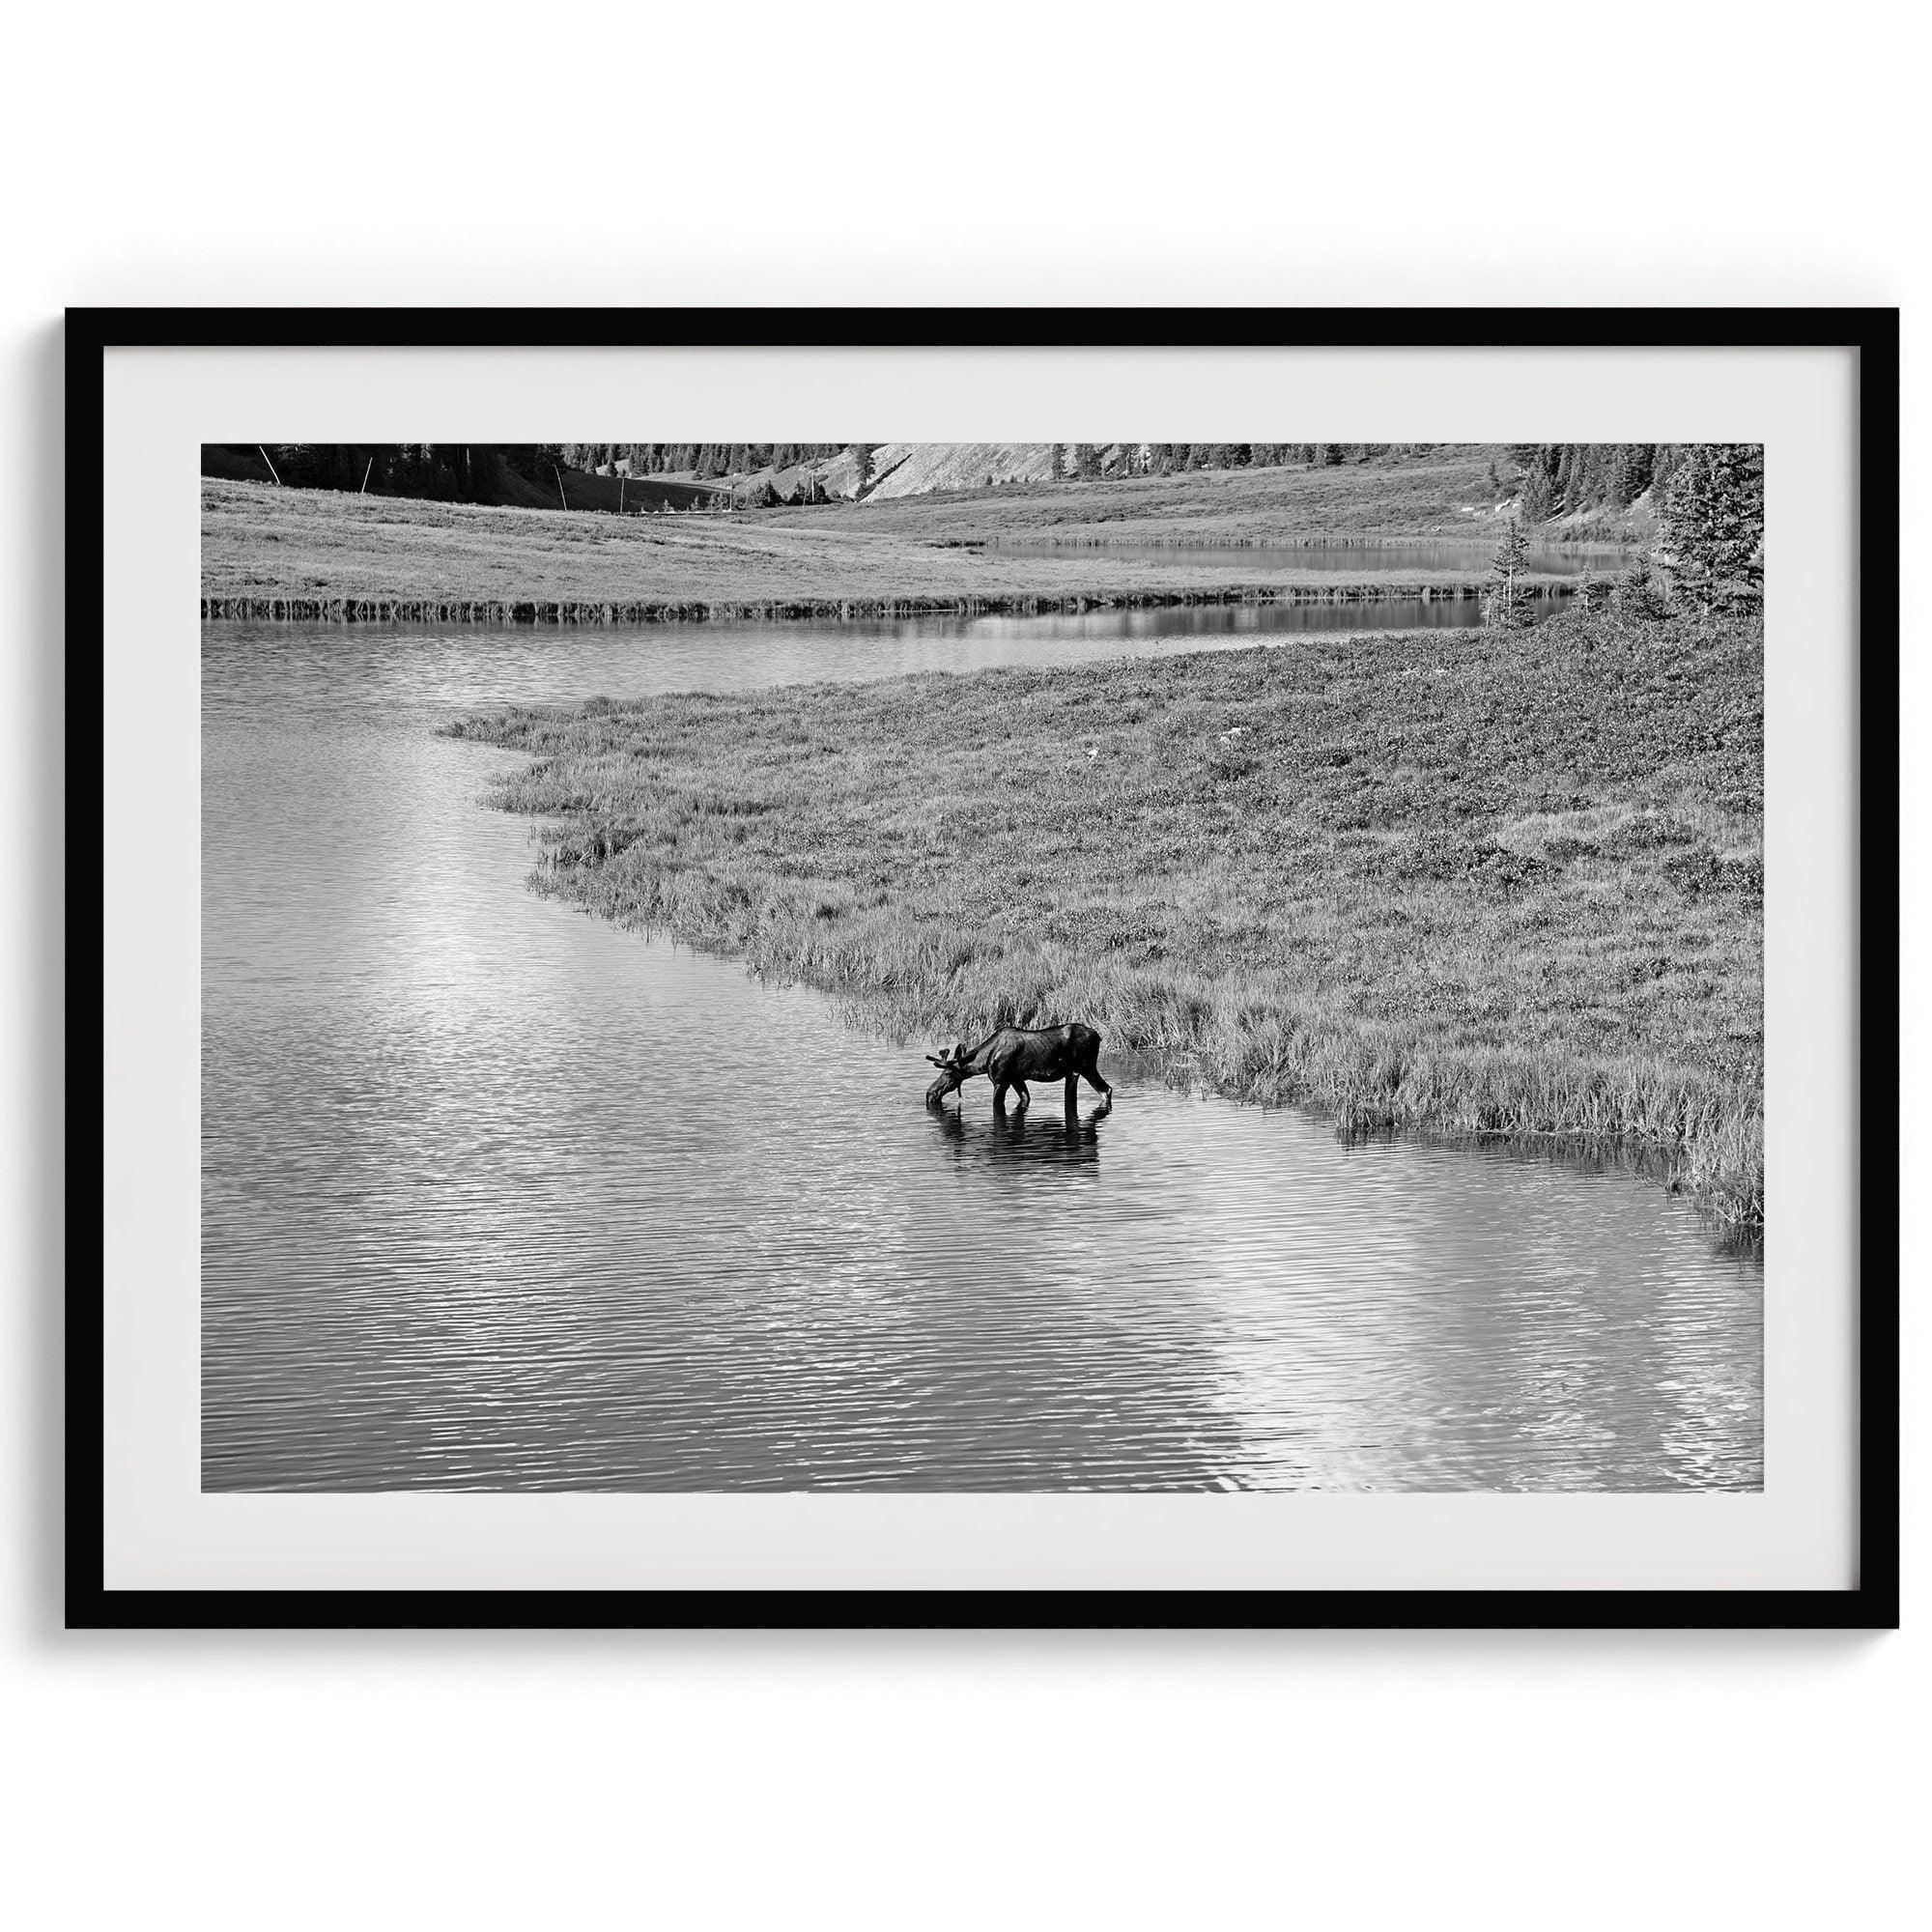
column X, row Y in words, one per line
column 1053, row 1135
column 497, row 1195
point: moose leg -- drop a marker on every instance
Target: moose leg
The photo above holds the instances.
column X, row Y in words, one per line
column 1090, row 1074
column 998, row 1096
column 1026, row 1098
column 1072, row 1093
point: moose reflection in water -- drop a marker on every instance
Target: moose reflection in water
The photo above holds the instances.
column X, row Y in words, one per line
column 1019, row 1139
column 1015, row 1055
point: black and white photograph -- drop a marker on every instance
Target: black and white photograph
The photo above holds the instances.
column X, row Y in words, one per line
column 934, row 966
column 967, row 969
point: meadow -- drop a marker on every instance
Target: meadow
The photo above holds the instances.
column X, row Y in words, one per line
column 307, row 554
column 1497, row 883
column 1438, row 492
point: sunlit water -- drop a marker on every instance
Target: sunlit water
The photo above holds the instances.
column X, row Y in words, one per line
column 497, row 1196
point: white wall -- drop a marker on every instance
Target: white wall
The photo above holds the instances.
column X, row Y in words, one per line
column 1500, row 155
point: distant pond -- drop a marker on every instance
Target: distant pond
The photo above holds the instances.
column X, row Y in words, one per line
column 1466, row 555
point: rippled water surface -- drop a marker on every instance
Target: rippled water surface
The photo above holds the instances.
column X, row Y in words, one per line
column 497, row 1196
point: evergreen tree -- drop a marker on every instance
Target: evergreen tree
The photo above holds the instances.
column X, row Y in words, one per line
column 1630, row 473
column 1507, row 608
column 1568, row 492
column 1056, row 461
column 861, row 457
column 1538, row 497
column 1711, row 526
column 1637, row 595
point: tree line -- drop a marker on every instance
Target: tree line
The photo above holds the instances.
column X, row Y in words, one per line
column 1559, row 479
column 698, row 459
column 444, row 473
column 476, row 472
column 1708, row 555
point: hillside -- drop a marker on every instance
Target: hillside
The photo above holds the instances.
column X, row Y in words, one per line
column 902, row 470
column 899, row 470
column 1434, row 492
column 917, row 468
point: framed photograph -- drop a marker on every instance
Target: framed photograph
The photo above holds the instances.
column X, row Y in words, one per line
column 1060, row 1017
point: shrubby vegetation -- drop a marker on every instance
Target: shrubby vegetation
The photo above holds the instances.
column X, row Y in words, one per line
column 1501, row 882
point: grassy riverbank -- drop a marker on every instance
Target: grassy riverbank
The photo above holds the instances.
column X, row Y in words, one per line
column 1470, row 882
column 321, row 553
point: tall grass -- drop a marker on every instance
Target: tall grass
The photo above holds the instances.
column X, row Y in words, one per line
column 1492, row 882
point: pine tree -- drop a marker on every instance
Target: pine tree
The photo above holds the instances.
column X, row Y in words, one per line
column 1711, row 526
column 1056, row 461
column 1537, row 497
column 1506, row 608
column 1569, row 489
column 862, row 455
column 1630, row 473
column 1637, row 595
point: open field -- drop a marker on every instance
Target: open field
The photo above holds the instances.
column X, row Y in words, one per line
column 308, row 554
column 1443, row 492
column 1469, row 882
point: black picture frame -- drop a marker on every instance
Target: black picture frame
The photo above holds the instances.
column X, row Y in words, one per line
column 1873, row 333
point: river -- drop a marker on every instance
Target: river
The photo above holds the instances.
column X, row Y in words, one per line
column 496, row 1196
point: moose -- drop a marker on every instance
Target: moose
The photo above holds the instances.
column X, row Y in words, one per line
column 1015, row 1055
